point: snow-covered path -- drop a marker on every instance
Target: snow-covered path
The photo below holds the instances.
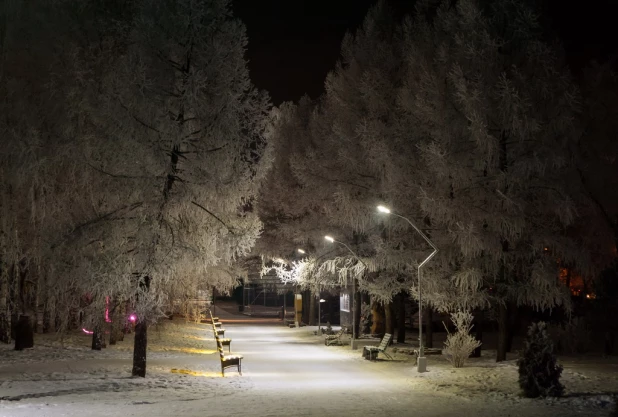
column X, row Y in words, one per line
column 286, row 372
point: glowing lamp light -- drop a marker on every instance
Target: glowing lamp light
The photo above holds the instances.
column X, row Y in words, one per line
column 300, row 251
column 383, row 209
column 86, row 331
column 132, row 317
column 330, row 239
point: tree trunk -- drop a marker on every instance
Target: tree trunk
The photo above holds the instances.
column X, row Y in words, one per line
column 479, row 316
column 512, row 314
column 401, row 318
column 140, row 342
column 121, row 314
column 306, row 307
column 357, row 312
column 377, row 313
column 97, row 338
column 5, row 309
column 312, row 310
column 503, row 324
column 139, row 349
column 388, row 319
column 428, row 327
column 114, row 325
column 39, row 303
column 5, row 326
column 24, row 333
column 48, row 315
column 609, row 343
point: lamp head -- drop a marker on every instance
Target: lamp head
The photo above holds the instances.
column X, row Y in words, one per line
column 300, row 251
column 330, row 239
column 383, row 209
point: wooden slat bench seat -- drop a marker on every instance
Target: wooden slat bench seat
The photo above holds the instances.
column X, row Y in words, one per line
column 371, row 352
column 228, row 361
column 335, row 339
column 224, row 342
column 216, row 325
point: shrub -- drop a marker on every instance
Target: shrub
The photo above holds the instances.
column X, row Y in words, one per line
column 539, row 374
column 460, row 344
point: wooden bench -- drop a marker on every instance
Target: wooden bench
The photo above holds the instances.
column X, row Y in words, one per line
column 371, row 352
column 225, row 342
column 216, row 325
column 228, row 361
column 335, row 339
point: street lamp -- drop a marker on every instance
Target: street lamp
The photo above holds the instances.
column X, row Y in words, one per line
column 331, row 240
column 320, row 315
column 422, row 361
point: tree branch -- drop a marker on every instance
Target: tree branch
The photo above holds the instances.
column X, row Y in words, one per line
column 212, row 214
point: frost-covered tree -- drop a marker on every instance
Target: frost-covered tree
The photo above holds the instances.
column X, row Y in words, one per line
column 39, row 168
column 178, row 136
column 493, row 110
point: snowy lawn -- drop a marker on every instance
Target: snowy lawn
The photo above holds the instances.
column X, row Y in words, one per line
column 285, row 371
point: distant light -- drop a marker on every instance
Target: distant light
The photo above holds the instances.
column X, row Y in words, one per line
column 132, row 317
column 322, row 300
column 330, row 239
column 86, row 331
column 300, row 251
column 383, row 209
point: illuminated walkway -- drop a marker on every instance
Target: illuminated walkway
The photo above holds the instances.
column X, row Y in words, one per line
column 286, row 372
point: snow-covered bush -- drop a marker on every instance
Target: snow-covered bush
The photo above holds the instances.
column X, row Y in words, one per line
column 539, row 374
column 460, row 344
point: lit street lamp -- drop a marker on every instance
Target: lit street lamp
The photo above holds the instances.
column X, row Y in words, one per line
column 331, row 240
column 422, row 361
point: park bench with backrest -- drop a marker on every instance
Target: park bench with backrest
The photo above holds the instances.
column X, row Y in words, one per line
column 335, row 339
column 228, row 361
column 221, row 340
column 214, row 320
column 371, row 352
column 216, row 326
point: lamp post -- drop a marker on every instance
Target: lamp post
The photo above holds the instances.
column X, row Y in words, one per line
column 422, row 361
column 331, row 240
column 320, row 315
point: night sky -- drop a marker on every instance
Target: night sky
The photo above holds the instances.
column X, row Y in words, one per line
column 293, row 44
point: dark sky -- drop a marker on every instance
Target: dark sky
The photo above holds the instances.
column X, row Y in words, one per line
column 293, row 44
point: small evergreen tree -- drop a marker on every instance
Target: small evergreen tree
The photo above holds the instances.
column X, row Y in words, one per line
column 539, row 374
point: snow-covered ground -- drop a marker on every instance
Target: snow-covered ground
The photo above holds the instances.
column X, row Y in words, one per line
column 285, row 372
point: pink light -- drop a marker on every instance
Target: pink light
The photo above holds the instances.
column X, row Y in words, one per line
column 107, row 319
column 132, row 317
column 86, row 331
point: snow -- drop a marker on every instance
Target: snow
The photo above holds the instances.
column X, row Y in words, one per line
column 285, row 372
